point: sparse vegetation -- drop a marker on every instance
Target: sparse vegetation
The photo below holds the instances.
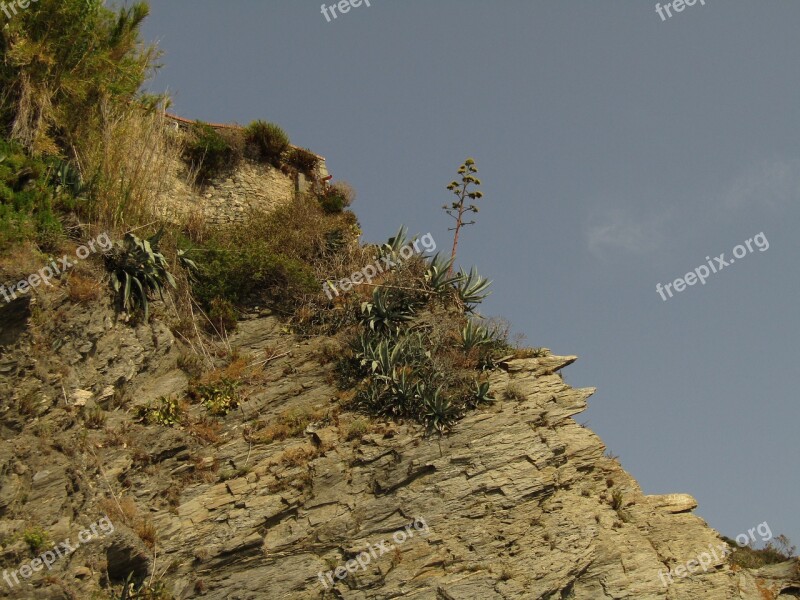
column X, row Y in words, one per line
column 776, row 551
column 269, row 141
column 36, row 538
column 208, row 153
column 219, row 398
column 167, row 412
column 305, row 161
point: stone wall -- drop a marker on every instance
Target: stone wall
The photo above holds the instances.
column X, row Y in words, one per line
column 231, row 197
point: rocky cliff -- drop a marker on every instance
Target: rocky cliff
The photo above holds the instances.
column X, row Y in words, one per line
column 291, row 496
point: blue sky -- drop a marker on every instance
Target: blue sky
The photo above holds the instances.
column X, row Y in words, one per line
column 616, row 151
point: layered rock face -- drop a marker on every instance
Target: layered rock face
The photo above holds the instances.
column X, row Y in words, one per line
column 519, row 501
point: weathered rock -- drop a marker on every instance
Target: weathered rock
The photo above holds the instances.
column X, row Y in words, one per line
column 518, row 502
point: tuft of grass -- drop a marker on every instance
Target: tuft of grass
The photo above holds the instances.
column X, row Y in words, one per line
column 36, row 538
column 269, row 141
column 290, row 423
column 514, row 392
column 357, row 429
column 94, row 418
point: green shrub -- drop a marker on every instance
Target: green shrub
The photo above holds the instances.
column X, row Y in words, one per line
column 269, row 140
column 271, row 259
column 222, row 315
column 335, row 198
column 28, row 200
column 167, row 412
column 67, row 64
column 36, row 538
column 208, row 152
column 302, row 159
column 219, row 398
column 138, row 269
column 252, row 274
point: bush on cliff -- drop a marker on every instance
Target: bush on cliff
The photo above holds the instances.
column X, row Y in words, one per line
column 208, row 153
column 273, row 259
column 269, row 141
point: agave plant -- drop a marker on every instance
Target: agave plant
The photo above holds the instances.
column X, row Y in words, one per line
column 137, row 270
column 393, row 246
column 386, row 359
column 437, row 411
column 481, row 394
column 385, row 314
column 403, row 390
column 473, row 335
column 437, row 274
column 472, row 288
column 364, row 348
column 68, row 179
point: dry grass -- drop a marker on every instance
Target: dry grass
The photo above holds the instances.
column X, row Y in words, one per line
column 206, row 429
column 357, row 429
column 290, row 423
column 299, row 456
column 131, row 162
column 83, row 290
column 124, row 510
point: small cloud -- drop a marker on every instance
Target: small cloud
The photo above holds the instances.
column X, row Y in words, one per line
column 771, row 183
column 620, row 231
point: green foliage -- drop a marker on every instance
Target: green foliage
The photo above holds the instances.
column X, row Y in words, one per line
column 438, row 274
column 402, row 369
column 137, row 270
column 473, row 335
column 335, row 198
column 387, row 312
column 481, row 393
column 472, row 288
column 251, row 274
column 222, row 314
column 36, row 538
column 394, row 244
column 63, row 62
column 302, row 159
column 438, row 412
column 208, row 153
column 219, row 398
column 29, row 194
column 167, row 412
column 269, row 140
column 270, row 260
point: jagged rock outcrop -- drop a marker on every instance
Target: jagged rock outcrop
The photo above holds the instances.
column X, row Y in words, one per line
column 519, row 501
